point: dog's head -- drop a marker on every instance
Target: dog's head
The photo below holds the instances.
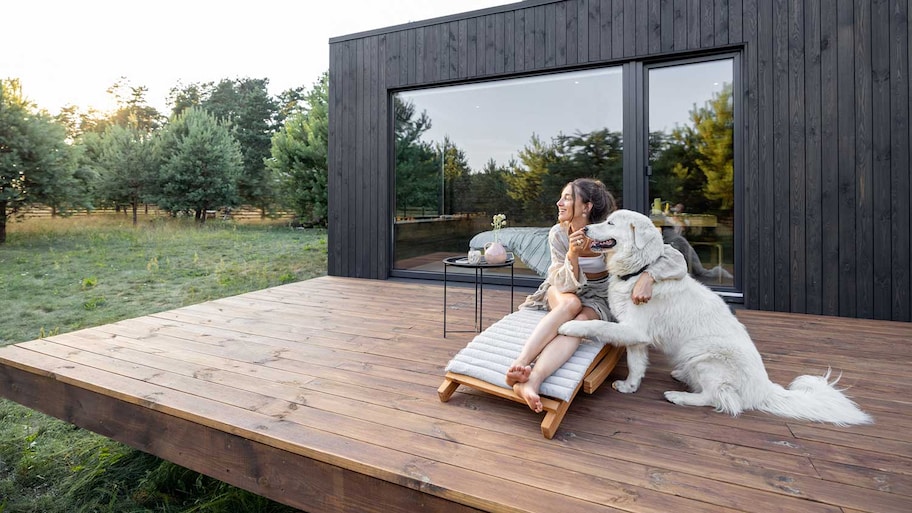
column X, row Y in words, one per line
column 630, row 239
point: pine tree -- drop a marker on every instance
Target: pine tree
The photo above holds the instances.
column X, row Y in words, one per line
column 299, row 157
column 200, row 164
column 36, row 164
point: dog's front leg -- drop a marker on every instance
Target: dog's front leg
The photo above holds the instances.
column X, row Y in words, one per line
column 615, row 333
column 637, row 361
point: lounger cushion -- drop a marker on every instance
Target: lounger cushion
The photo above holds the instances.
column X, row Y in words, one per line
column 490, row 353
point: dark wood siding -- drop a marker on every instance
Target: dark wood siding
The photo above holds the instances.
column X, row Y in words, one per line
column 824, row 182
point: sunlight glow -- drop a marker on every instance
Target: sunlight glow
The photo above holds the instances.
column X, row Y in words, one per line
column 72, row 52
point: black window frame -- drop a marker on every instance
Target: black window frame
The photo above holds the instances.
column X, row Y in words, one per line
column 635, row 158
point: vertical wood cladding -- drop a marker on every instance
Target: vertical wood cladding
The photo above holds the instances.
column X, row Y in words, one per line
column 824, row 181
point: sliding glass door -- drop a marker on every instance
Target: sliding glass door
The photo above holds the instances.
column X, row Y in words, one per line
column 691, row 163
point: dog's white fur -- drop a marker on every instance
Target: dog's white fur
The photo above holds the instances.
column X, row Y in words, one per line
column 710, row 349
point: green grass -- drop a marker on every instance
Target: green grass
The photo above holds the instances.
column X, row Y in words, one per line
column 61, row 275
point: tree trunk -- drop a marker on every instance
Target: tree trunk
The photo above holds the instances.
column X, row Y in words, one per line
column 135, row 209
column 3, row 222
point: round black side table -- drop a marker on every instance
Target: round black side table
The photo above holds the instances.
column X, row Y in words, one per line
column 479, row 268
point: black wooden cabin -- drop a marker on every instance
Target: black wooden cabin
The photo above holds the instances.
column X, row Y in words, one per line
column 816, row 214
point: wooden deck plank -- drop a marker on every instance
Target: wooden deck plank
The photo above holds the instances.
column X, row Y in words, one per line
column 299, row 358
column 636, row 416
column 324, row 377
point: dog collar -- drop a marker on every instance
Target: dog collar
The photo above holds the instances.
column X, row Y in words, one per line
column 631, row 275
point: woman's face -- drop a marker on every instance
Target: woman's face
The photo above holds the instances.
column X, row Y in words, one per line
column 570, row 209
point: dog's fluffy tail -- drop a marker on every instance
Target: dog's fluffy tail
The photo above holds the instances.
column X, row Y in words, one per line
column 817, row 399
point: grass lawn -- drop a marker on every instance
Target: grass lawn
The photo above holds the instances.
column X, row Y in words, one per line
column 60, row 275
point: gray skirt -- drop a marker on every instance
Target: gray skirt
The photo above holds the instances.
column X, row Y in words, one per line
column 594, row 294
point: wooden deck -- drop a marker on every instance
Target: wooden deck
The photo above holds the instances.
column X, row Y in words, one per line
column 323, row 395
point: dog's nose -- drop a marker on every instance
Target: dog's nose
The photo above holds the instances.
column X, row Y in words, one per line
column 585, row 229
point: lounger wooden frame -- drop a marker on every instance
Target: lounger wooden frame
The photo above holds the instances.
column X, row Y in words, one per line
column 596, row 374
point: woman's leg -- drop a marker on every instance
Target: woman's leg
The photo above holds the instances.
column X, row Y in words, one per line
column 563, row 306
column 552, row 356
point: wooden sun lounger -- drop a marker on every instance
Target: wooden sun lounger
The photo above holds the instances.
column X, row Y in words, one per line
column 555, row 409
column 598, row 369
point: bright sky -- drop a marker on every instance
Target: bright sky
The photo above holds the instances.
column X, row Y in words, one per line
column 70, row 52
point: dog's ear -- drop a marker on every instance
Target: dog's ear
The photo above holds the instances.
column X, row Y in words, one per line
column 633, row 232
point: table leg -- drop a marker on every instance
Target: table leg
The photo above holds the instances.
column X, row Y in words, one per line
column 511, row 289
column 479, row 296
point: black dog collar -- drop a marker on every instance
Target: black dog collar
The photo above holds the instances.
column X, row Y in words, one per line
column 631, row 275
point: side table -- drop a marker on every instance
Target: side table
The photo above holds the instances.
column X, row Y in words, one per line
column 479, row 286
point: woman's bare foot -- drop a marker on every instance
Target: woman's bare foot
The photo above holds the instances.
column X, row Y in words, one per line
column 529, row 393
column 518, row 374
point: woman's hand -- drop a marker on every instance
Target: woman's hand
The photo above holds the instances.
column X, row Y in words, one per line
column 578, row 243
column 642, row 290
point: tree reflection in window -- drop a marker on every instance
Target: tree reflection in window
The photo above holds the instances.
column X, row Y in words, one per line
column 464, row 153
column 691, row 187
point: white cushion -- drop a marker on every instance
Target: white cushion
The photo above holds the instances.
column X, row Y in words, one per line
column 491, row 352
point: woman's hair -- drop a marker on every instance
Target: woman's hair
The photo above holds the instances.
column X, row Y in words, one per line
column 590, row 190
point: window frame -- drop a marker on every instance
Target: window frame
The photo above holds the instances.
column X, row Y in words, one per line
column 635, row 158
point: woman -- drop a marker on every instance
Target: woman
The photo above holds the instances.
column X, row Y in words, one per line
column 576, row 286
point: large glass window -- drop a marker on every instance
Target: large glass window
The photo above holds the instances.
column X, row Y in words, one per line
column 465, row 153
column 691, row 157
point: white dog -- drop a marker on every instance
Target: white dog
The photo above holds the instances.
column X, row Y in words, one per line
column 711, row 351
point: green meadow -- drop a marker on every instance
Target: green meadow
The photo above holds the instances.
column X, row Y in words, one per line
column 63, row 274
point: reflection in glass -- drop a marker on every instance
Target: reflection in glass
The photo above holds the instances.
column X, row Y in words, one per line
column 691, row 155
column 465, row 153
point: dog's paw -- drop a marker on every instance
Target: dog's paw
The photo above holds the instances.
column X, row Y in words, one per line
column 625, row 387
column 573, row 329
column 675, row 397
column 678, row 375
